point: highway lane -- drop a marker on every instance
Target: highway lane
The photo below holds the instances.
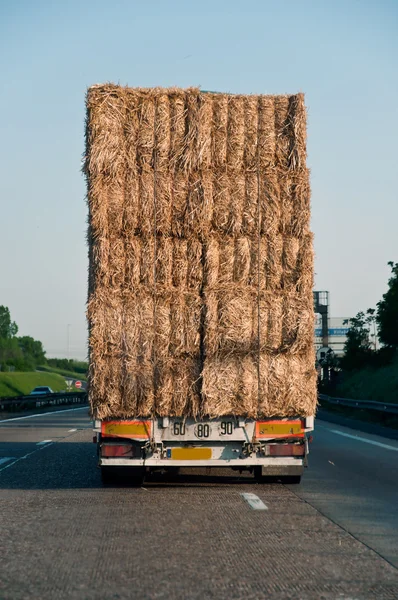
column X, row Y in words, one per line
column 64, row 535
column 353, row 480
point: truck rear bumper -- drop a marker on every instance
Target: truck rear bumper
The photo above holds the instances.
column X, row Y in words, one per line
column 269, row 463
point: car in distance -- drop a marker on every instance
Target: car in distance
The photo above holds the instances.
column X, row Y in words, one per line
column 39, row 391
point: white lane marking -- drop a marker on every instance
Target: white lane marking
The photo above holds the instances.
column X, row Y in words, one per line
column 362, row 439
column 6, row 459
column 53, row 412
column 43, row 442
column 71, row 430
column 254, row 501
column 23, row 457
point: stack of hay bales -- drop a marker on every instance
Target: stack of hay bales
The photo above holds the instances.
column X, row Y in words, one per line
column 201, row 260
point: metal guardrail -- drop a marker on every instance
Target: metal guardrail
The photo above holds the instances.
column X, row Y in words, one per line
column 385, row 407
column 19, row 403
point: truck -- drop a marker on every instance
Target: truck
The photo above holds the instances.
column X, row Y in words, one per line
column 200, row 305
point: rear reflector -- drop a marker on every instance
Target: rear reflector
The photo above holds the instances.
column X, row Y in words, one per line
column 286, row 450
column 112, row 450
column 279, row 429
column 135, row 430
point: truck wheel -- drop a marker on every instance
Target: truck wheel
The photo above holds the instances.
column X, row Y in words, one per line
column 133, row 476
column 292, row 479
column 107, row 475
column 258, row 475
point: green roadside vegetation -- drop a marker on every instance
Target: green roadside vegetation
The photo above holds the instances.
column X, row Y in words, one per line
column 63, row 372
column 368, row 370
column 21, row 384
column 24, row 365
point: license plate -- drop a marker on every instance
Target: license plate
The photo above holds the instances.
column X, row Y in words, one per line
column 190, row 453
column 279, row 429
column 128, row 429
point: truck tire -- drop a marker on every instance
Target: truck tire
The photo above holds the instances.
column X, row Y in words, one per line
column 292, row 479
column 131, row 476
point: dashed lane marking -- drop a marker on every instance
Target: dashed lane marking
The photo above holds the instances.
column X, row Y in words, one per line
column 254, row 501
column 43, row 442
column 71, row 430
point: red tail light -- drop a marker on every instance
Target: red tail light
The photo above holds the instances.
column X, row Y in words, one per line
column 287, row 450
column 119, row 450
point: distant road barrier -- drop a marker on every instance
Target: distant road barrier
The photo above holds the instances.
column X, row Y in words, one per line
column 20, row 403
column 385, row 407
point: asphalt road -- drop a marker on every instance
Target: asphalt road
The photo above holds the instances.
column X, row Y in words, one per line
column 63, row 535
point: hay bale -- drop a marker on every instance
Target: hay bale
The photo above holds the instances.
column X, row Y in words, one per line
column 230, row 386
column 219, row 132
column 251, row 213
column 201, row 258
column 230, row 320
column 287, row 385
column 235, row 133
column 177, row 388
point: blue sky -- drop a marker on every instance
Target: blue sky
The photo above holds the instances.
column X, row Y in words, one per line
column 342, row 54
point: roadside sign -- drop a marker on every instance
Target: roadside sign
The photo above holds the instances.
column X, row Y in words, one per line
column 78, row 384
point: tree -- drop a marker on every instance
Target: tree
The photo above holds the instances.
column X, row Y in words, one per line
column 8, row 328
column 358, row 347
column 32, row 350
column 387, row 311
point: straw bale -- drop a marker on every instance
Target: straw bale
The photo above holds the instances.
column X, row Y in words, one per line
column 162, row 132
column 301, row 197
column 298, row 132
column 164, row 261
column 132, row 262
column 105, row 329
column 146, row 132
column 221, row 202
column 189, row 158
column 201, row 258
column 237, row 194
column 282, row 132
column 270, row 203
column 203, row 141
column 220, row 122
column 163, row 202
column 266, row 133
column 179, row 203
column 130, row 222
column 177, row 389
column 287, row 385
column 230, row 386
column 242, row 260
column 131, row 129
column 291, row 247
column 235, row 132
column 230, row 320
column 139, row 330
column 198, row 213
column 138, row 389
column 116, row 262
column 304, row 273
column 178, row 115
column 195, row 264
column 250, row 216
column 251, row 110
column 271, row 323
column 105, row 134
column 228, row 259
column 286, row 203
column 298, row 323
column 272, row 263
